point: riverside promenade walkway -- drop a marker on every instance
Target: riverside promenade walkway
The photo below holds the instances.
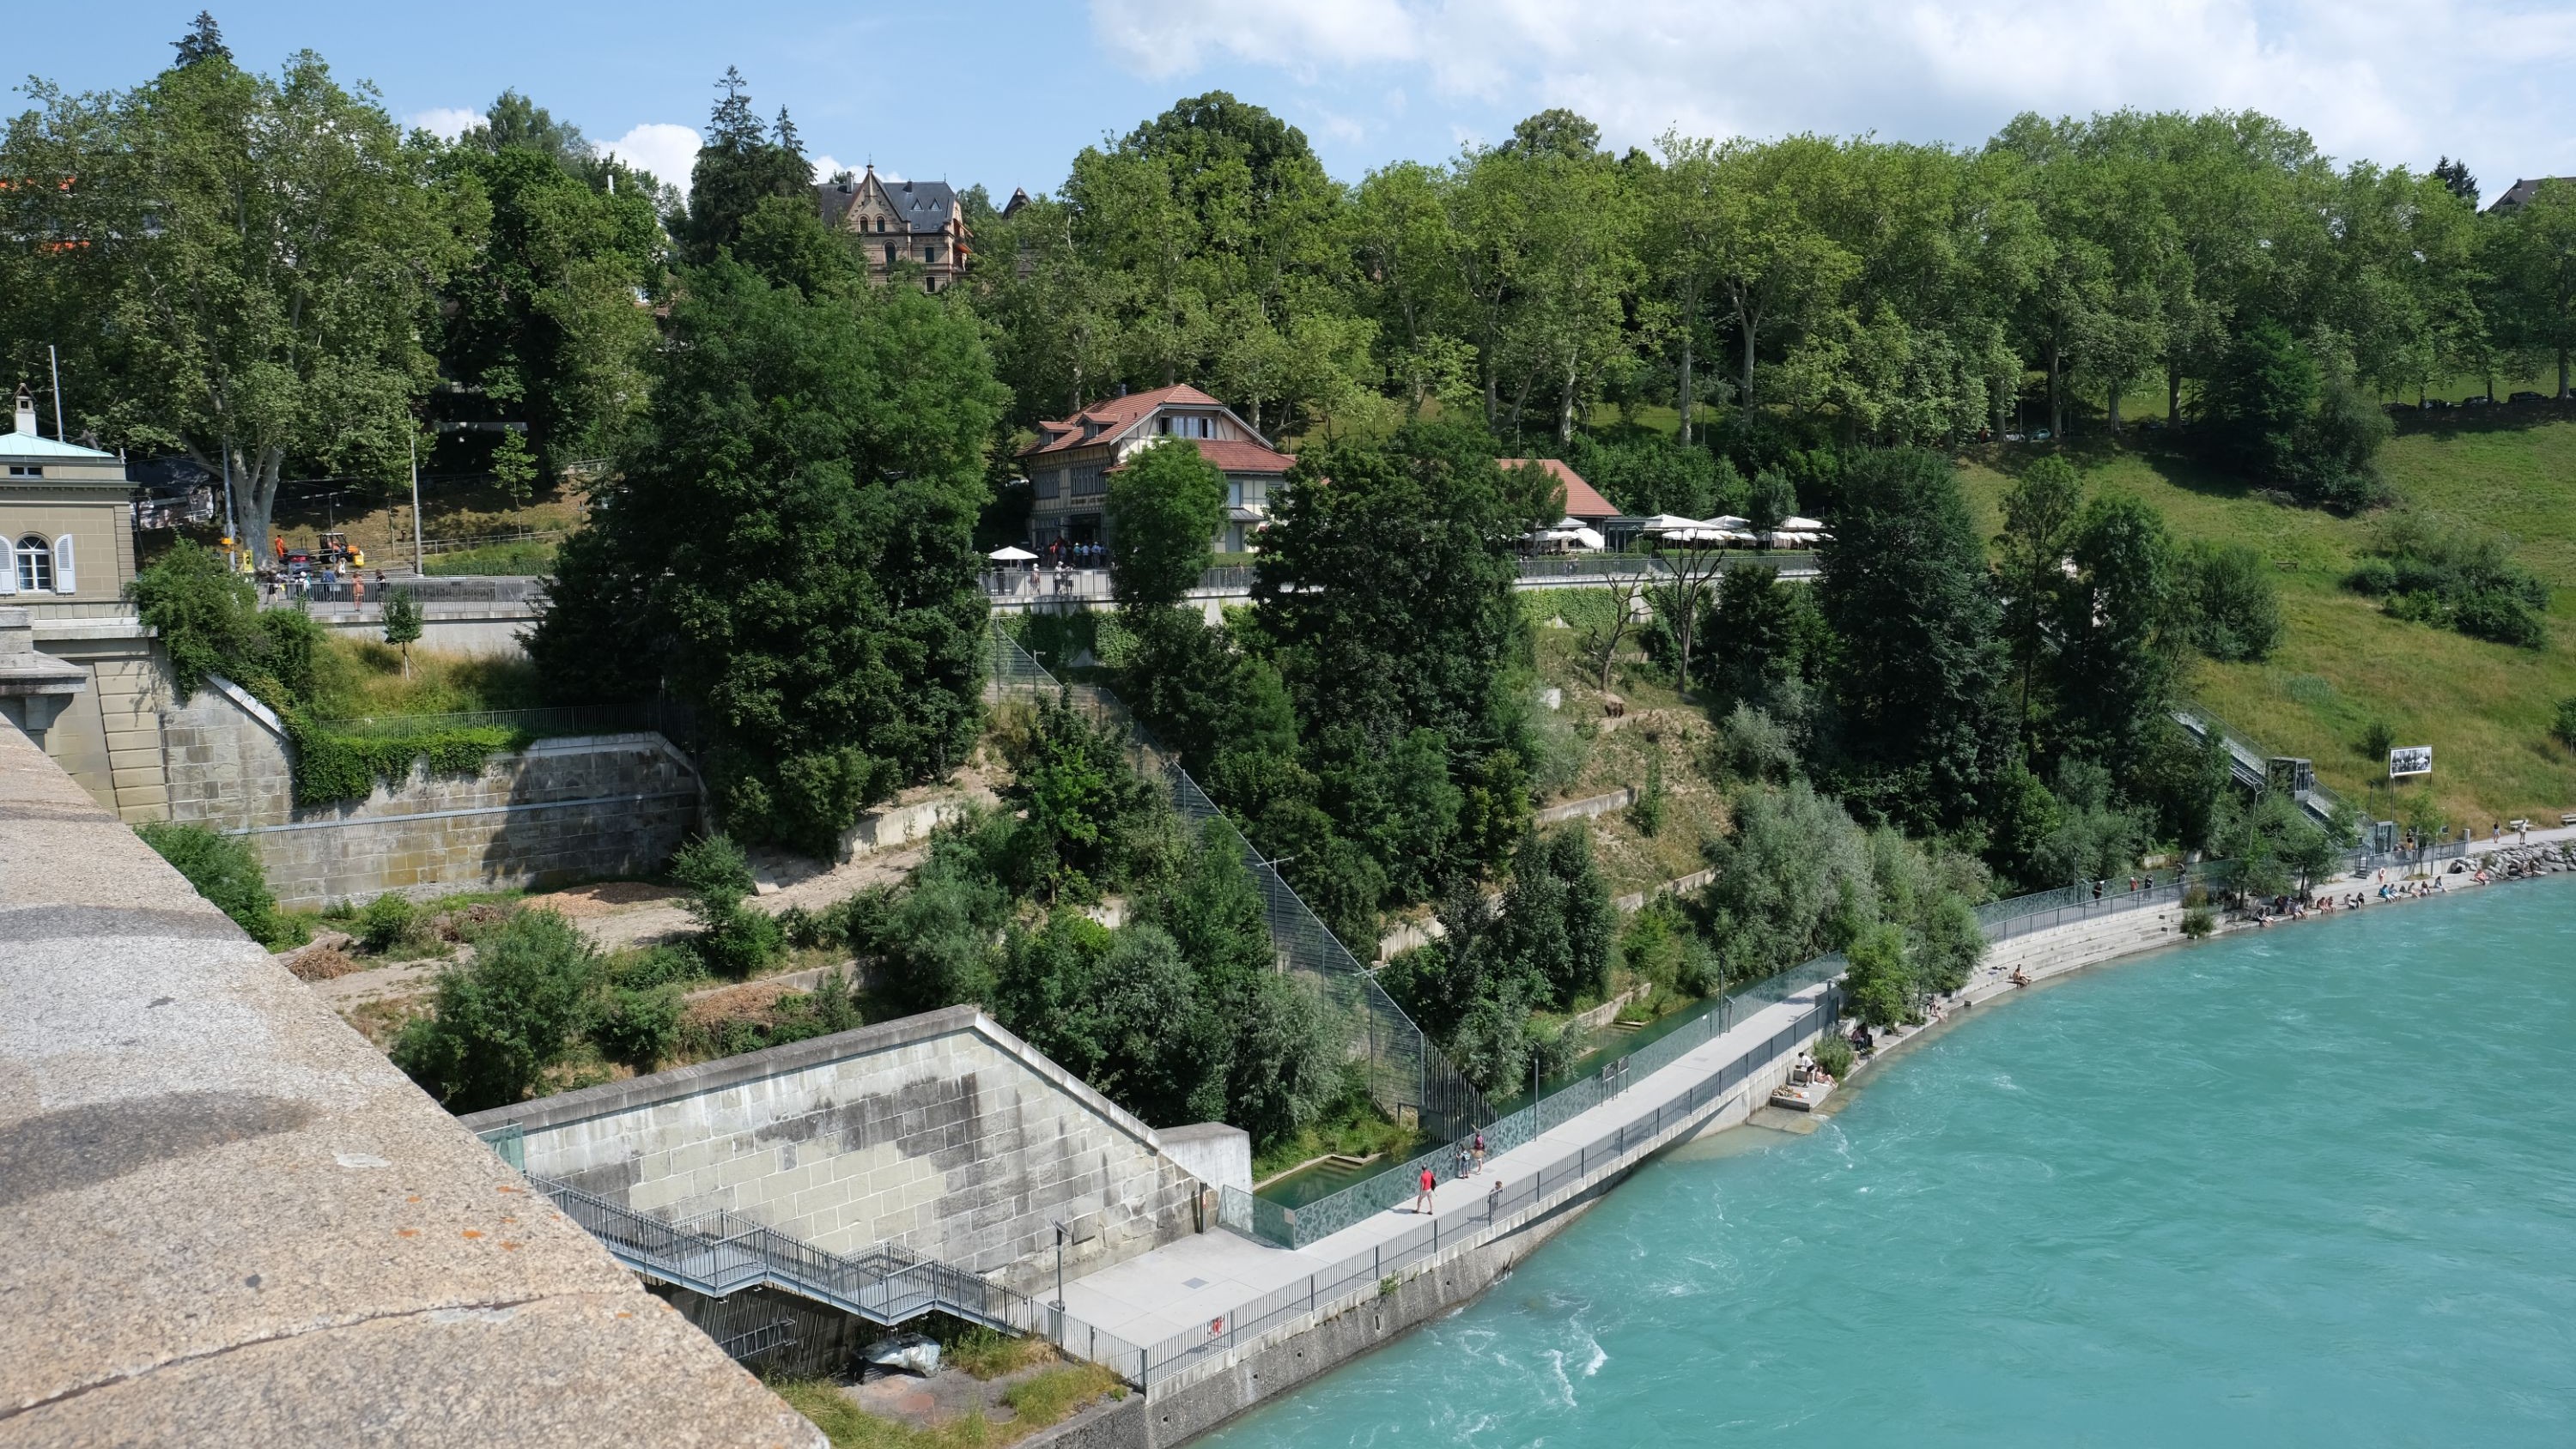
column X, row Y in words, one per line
column 1219, row 1290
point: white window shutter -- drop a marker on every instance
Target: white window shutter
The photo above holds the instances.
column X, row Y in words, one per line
column 63, row 582
column 8, row 566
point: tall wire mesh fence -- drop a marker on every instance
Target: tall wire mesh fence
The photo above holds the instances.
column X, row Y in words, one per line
column 1407, row 1076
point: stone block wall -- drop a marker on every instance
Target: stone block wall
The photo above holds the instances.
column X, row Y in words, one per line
column 562, row 809
column 109, row 737
column 942, row 1132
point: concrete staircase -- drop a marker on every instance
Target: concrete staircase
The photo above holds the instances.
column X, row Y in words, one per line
column 2082, row 943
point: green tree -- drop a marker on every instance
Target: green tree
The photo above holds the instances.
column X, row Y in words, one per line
column 1793, row 881
column 1918, row 660
column 789, row 547
column 255, row 271
column 740, row 165
column 2269, row 388
column 1166, row 504
column 1085, row 807
column 2534, row 252
column 2230, row 600
column 2118, row 658
column 501, row 1022
column 2040, row 510
column 542, row 316
column 402, row 624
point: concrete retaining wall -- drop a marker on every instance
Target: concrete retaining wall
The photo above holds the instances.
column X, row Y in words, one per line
column 562, row 809
column 1212, row 1152
column 1586, row 809
column 942, row 1132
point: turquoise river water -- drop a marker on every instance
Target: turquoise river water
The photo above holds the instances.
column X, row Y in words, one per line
column 2307, row 1186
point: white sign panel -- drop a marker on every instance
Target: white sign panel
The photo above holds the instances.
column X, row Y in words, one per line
column 2412, row 760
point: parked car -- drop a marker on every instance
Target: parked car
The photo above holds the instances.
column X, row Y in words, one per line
column 2476, row 400
column 2436, row 405
column 2039, row 435
column 2528, row 397
column 2400, row 407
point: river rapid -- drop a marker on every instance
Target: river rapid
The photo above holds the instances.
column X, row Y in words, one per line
column 2311, row 1185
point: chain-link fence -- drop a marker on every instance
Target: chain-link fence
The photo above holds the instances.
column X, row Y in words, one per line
column 1407, row 1076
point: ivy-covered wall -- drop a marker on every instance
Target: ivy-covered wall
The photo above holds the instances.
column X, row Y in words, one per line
column 338, row 817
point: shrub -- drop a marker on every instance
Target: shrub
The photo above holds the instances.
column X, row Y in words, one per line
column 390, row 920
column 224, row 870
column 207, row 617
column 2564, row 725
column 1647, row 813
column 2377, row 740
column 638, row 1026
column 2232, row 601
column 806, row 930
column 1833, row 1054
column 658, row 966
column 737, row 940
column 2375, row 577
column 2198, row 922
column 733, row 939
column 2453, row 577
column 501, row 1022
column 713, row 867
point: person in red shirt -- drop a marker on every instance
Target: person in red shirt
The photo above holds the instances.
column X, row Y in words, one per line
column 1422, row 1203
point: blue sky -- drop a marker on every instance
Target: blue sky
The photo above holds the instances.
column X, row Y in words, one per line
column 1004, row 93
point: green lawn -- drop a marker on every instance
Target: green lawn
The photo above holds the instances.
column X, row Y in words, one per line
column 2484, row 708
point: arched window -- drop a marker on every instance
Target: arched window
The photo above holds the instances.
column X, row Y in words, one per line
column 35, row 565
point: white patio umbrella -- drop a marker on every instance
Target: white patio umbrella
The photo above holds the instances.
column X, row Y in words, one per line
column 1010, row 553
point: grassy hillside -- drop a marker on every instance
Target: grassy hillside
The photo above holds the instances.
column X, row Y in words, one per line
column 2484, row 708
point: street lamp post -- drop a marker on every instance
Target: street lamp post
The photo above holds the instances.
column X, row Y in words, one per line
column 1059, row 1266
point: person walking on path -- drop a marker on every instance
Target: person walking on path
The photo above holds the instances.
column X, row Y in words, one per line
column 1422, row 1200
column 1480, row 1149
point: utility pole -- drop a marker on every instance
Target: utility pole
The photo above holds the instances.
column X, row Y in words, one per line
column 415, row 504
column 55, row 361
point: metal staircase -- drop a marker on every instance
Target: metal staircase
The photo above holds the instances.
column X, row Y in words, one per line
column 719, row 1254
column 2250, row 765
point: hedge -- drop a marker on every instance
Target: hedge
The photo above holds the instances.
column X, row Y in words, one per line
column 332, row 765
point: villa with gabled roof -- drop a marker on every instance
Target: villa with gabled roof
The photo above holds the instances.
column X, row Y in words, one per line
column 1070, row 463
column 917, row 224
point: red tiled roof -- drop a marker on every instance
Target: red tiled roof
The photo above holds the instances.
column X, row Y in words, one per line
column 1233, row 456
column 1113, row 414
column 1582, row 500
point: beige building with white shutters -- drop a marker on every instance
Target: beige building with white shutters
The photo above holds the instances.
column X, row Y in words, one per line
column 67, row 518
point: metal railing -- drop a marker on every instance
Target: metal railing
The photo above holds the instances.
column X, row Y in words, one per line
column 1556, row 1105
column 722, row 1253
column 1092, row 585
column 1588, row 1163
column 1407, row 1075
column 2249, row 764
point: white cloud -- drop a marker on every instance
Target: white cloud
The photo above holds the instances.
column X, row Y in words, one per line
column 2396, row 81
column 445, row 122
column 669, row 152
column 826, row 167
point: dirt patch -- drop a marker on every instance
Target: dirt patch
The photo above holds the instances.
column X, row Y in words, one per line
column 606, row 898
